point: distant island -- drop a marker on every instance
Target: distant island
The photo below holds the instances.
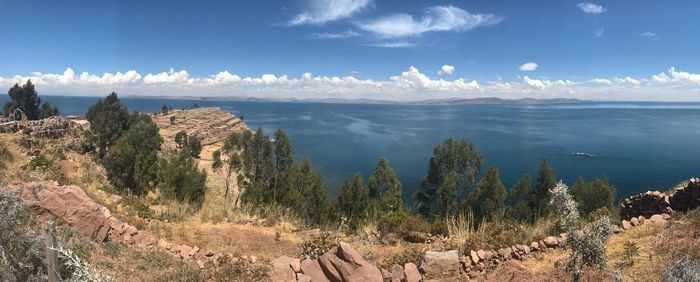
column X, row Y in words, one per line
column 447, row 101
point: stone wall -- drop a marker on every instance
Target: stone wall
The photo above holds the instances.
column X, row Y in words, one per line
column 655, row 202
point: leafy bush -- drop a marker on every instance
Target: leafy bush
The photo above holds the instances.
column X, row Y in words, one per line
column 411, row 253
column 402, row 223
column 630, row 252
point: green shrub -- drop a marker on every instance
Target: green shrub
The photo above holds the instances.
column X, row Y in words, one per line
column 410, row 253
column 180, row 179
column 21, row 247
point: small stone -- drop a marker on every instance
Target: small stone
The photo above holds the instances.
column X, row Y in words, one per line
column 200, row 264
column 534, row 246
column 634, row 221
column 665, row 216
column 626, row 225
column 614, row 228
column 411, row 272
column 551, row 241
column 481, row 254
column 656, row 218
column 474, row 256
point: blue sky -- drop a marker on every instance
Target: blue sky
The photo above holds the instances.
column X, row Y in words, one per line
column 572, row 47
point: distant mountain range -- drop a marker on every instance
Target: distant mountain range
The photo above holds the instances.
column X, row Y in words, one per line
column 450, row 101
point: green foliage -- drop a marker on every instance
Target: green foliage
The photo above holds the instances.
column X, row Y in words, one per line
column 451, row 176
column 40, row 162
column 402, row 223
column 190, row 144
column 132, row 163
column 24, row 98
column 353, row 201
column 172, row 120
column 385, row 188
column 488, row 199
column 165, row 109
column 47, row 110
column 546, row 180
column 411, row 253
column 216, row 160
column 594, row 195
column 284, row 152
column 518, row 199
column 108, row 119
column 629, row 253
column 180, row 179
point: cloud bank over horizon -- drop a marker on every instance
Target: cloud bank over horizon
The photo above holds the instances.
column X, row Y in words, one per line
column 409, row 85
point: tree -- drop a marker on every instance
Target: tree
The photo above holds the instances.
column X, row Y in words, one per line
column 132, row 163
column 519, row 197
column 108, row 119
column 216, row 160
column 546, row 180
column 190, row 144
column 451, row 175
column 284, row 152
column 488, row 199
column 164, row 109
column 47, row 110
column 180, row 179
column 592, row 196
column 24, row 98
column 385, row 188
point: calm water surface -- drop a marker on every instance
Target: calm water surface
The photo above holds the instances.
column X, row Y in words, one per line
column 639, row 146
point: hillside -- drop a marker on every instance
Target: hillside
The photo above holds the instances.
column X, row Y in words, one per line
column 147, row 238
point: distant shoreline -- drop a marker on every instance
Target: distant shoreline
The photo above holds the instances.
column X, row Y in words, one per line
column 447, row 101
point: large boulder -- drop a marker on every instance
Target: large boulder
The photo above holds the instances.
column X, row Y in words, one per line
column 312, row 269
column 440, row 265
column 343, row 263
column 69, row 203
column 411, row 272
column 282, row 270
column 551, row 242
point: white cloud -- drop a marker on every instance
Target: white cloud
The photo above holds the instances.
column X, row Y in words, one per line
column 320, row 12
column 392, row 44
column 446, row 69
column 340, row 35
column 438, row 18
column 411, row 84
column 590, row 8
column 649, row 35
column 530, row 66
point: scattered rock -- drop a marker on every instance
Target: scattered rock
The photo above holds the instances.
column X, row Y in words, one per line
column 200, row 264
column 303, row 277
column 551, row 241
column 665, row 216
column 282, row 270
column 626, row 225
column 343, row 263
column 411, row 273
column 397, row 273
column 534, row 246
column 440, row 265
column 634, row 221
column 656, row 218
column 505, row 253
column 312, row 269
column 474, row 256
column 615, row 229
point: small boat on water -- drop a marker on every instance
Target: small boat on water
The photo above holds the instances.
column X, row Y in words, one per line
column 583, row 154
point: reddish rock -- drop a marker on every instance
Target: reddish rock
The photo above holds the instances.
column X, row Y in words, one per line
column 200, row 264
column 488, row 255
column 626, row 225
column 481, row 254
column 397, row 273
column 551, row 242
column 411, row 272
column 69, row 203
column 505, row 253
column 183, row 251
column 474, row 256
column 295, row 264
column 634, row 221
column 615, row 229
column 534, row 246
column 312, row 269
column 440, row 265
column 303, row 277
column 665, row 216
column 656, row 218
column 641, row 219
column 343, row 263
column 282, row 270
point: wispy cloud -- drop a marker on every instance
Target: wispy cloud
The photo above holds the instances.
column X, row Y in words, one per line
column 411, row 84
column 391, row 44
column 438, row 18
column 590, row 8
column 320, row 12
column 340, row 35
column 649, row 35
column 529, row 66
column 446, row 69
column 598, row 32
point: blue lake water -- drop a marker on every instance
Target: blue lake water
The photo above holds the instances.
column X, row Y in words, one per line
column 639, row 146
